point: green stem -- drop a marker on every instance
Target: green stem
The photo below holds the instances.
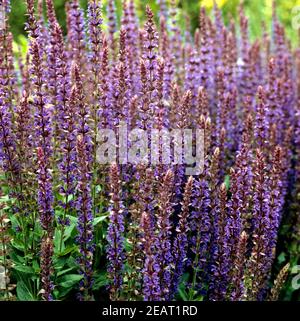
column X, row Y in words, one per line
column 63, row 226
column 195, row 271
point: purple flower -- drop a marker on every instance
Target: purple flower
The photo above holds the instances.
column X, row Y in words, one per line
column 200, row 226
column 150, row 55
column 275, row 207
column 151, row 270
column 95, row 33
column 239, row 265
column 45, row 195
column 24, row 131
column 115, row 236
column 261, row 227
column 45, row 205
column 8, row 159
column 82, row 111
column 63, row 84
column 165, row 209
column 47, row 268
column 221, row 265
column 68, row 163
column 51, row 14
column 180, row 245
column 261, row 122
column 42, row 110
column 8, row 141
column 112, row 25
column 76, row 34
column 85, row 238
column 31, row 25
column 104, row 112
column 130, row 25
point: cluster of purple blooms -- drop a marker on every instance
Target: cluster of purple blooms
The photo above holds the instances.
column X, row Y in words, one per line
column 218, row 230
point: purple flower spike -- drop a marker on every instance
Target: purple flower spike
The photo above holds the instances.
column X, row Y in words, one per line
column 181, row 240
column 45, row 204
column 165, row 210
column 115, row 235
column 85, row 237
column 151, row 270
column 47, row 267
column 42, row 111
column 45, row 196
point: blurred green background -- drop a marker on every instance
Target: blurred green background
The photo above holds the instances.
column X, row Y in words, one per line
column 257, row 11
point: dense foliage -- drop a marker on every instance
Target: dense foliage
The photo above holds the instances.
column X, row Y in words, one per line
column 73, row 228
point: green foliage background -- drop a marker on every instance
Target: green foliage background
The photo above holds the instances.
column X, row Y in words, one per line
column 257, row 11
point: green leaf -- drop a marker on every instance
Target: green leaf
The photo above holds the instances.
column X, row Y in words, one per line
column 59, row 262
column 23, row 293
column 71, row 262
column 61, row 292
column 6, row 198
column 100, row 281
column 24, row 269
column 67, row 250
column 182, row 294
column 69, row 280
column 99, row 219
column 17, row 258
column 69, row 229
column 14, row 220
column 128, row 245
column 57, row 238
column 18, row 245
column 60, row 273
column 227, row 181
column 36, row 266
